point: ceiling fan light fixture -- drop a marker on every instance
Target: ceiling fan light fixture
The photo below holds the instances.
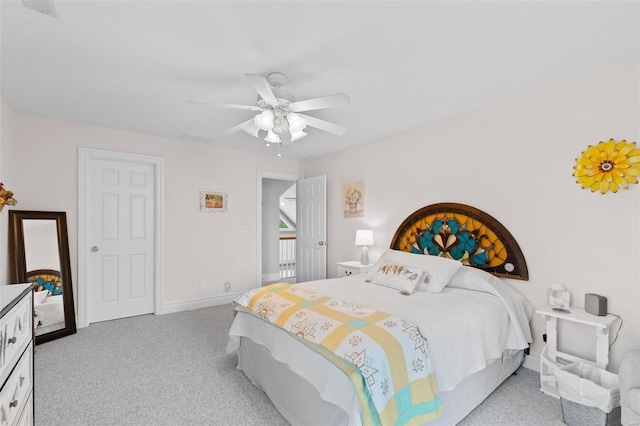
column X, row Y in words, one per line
column 277, row 110
column 252, row 129
column 296, row 123
column 264, row 120
column 297, row 134
column 272, row 137
column 277, row 127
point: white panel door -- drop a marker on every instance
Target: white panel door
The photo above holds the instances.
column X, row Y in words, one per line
column 120, row 237
column 311, row 259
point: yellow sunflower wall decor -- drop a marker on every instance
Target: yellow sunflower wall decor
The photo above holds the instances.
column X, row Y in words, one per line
column 609, row 166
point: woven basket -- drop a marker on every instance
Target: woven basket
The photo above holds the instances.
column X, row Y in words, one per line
column 574, row 414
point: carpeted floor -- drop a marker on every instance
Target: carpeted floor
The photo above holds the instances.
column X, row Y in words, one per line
column 173, row 370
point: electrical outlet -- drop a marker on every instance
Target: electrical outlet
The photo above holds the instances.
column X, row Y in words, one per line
column 227, row 286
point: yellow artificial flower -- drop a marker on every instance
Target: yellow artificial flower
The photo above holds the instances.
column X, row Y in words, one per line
column 609, row 166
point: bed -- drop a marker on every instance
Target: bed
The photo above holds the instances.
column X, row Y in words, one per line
column 475, row 324
column 48, row 304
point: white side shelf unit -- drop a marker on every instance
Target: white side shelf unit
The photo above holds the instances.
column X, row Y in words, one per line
column 551, row 356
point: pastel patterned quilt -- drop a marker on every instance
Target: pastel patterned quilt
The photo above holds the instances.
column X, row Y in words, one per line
column 386, row 357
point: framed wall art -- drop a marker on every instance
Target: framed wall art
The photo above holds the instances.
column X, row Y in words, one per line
column 353, row 199
column 213, row 201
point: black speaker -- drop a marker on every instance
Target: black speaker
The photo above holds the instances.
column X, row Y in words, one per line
column 595, row 304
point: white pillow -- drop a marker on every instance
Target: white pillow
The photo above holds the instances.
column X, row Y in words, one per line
column 397, row 276
column 439, row 270
column 39, row 296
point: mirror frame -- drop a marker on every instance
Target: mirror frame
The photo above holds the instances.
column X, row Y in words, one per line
column 18, row 267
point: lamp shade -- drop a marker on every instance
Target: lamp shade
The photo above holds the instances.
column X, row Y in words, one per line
column 252, row 129
column 297, row 134
column 364, row 237
column 272, row 137
column 264, row 120
column 296, row 123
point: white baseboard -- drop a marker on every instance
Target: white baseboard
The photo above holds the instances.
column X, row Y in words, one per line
column 205, row 302
column 532, row 362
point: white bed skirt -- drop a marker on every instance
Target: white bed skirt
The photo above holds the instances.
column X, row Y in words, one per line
column 301, row 404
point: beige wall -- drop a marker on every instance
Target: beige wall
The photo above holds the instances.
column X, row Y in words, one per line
column 201, row 250
column 514, row 160
column 7, row 139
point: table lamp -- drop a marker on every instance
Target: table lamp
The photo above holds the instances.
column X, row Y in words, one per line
column 364, row 238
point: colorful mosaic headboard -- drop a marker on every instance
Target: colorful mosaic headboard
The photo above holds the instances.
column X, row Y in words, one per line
column 463, row 233
column 46, row 279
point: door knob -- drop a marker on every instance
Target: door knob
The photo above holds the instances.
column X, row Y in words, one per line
column 323, row 243
column 94, row 249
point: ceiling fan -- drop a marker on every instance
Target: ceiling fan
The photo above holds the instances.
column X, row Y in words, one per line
column 279, row 112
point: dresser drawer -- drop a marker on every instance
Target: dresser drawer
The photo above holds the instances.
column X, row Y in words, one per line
column 16, row 331
column 16, row 393
column 26, row 418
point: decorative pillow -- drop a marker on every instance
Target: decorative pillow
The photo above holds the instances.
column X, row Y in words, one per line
column 439, row 270
column 397, row 276
column 40, row 296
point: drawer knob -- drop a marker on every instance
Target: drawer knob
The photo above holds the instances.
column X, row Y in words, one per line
column 12, row 340
column 13, row 403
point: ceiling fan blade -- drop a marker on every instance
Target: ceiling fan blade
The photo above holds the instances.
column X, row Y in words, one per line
column 263, row 88
column 329, row 101
column 247, row 126
column 336, row 129
column 216, row 104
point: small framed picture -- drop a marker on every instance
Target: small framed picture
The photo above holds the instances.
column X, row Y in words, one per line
column 213, row 201
column 353, row 196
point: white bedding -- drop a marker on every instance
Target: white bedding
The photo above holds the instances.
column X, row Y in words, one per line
column 306, row 407
column 49, row 313
column 468, row 324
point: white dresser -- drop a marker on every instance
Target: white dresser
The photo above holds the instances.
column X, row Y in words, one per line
column 16, row 354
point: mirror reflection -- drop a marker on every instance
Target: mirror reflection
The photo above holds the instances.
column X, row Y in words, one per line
column 39, row 254
column 42, row 263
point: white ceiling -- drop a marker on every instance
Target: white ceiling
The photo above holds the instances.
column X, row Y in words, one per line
column 134, row 65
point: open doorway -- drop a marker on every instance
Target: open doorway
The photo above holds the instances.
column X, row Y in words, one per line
column 271, row 188
column 305, row 259
column 278, row 231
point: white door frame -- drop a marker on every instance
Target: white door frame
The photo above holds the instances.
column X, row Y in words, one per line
column 84, row 155
column 263, row 174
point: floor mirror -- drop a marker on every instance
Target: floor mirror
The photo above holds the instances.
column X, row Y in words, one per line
column 39, row 254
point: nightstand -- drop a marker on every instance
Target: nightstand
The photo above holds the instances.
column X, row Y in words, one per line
column 352, row 268
column 549, row 359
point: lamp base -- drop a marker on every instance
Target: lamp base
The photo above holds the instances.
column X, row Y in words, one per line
column 364, row 255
